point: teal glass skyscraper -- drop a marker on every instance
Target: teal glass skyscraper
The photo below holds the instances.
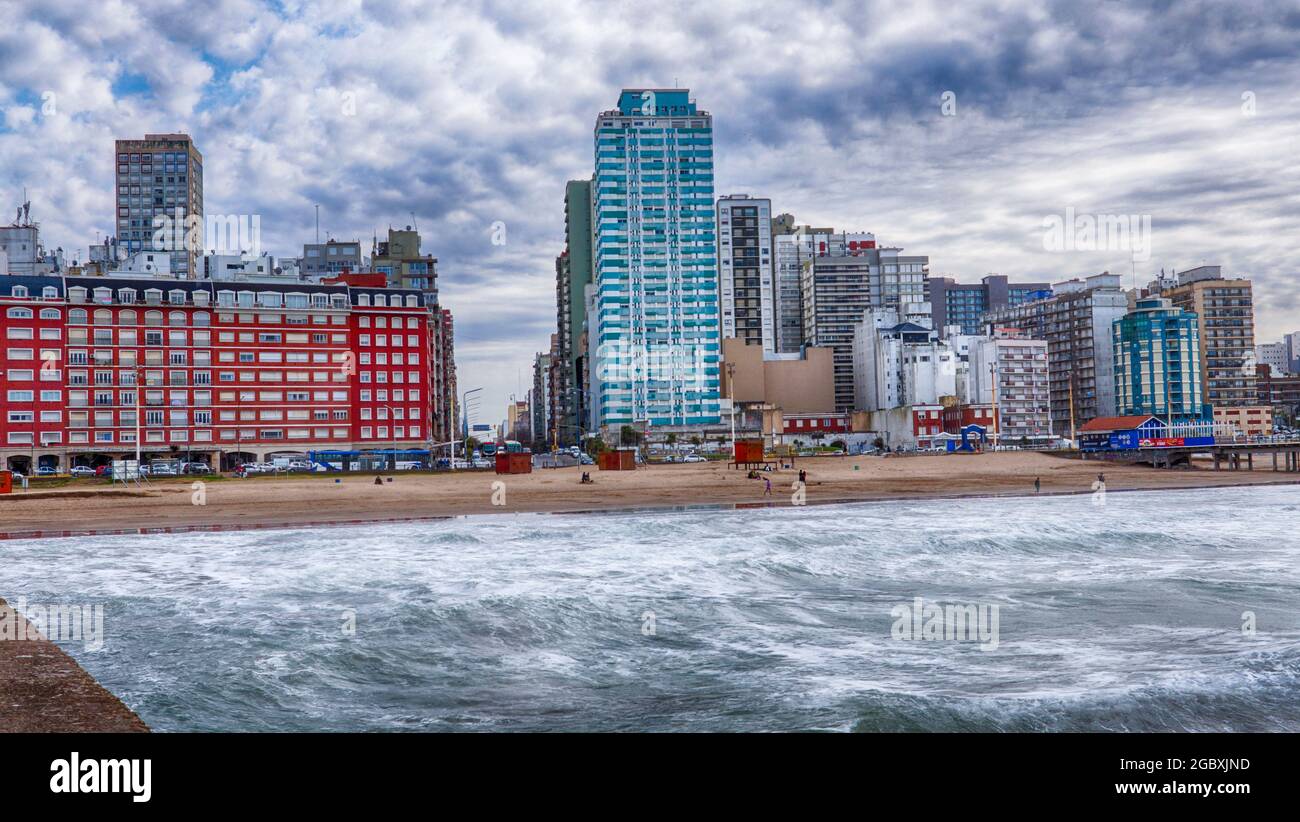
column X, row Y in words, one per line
column 657, row 344
column 1158, row 362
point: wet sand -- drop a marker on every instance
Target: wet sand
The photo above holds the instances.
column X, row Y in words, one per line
column 274, row 501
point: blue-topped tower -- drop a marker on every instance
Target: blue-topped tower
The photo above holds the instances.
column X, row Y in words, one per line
column 1158, row 362
column 654, row 334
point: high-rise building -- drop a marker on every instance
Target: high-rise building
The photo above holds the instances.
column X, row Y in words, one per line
column 656, row 338
column 965, row 304
column 1158, row 362
column 1076, row 321
column 447, row 408
column 329, row 258
column 840, row 283
column 161, row 176
column 791, row 246
column 1225, row 309
column 1009, row 372
column 745, row 270
column 400, row 260
column 543, row 370
column 518, row 425
column 572, row 276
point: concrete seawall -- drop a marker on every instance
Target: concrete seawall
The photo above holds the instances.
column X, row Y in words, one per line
column 43, row 690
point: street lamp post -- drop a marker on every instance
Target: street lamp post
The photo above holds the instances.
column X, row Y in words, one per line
column 464, row 405
column 731, row 395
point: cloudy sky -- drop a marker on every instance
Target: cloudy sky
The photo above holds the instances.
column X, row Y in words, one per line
column 950, row 129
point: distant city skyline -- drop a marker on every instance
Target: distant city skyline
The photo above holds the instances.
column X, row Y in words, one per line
column 956, row 134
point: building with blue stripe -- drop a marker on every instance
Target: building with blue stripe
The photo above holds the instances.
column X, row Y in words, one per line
column 654, row 329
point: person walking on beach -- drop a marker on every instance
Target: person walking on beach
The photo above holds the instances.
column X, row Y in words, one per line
column 1038, row 484
column 1101, row 478
column 803, row 477
column 767, row 482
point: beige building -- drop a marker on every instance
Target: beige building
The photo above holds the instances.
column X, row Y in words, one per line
column 793, row 383
column 1226, row 314
column 1252, row 422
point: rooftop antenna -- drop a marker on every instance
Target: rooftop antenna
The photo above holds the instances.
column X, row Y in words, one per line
column 414, row 224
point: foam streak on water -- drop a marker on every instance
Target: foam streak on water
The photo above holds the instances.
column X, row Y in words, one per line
column 1123, row 617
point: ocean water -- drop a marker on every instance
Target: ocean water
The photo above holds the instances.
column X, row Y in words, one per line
column 1123, row 617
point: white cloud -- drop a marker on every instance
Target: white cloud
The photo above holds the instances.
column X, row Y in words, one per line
column 467, row 114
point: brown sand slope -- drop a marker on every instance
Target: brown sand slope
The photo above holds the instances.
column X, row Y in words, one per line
column 43, row 690
column 301, row 499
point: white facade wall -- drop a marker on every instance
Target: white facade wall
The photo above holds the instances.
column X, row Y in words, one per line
column 889, row 372
column 1274, row 355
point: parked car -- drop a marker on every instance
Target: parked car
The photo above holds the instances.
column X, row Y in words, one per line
column 195, row 468
column 46, row 470
column 584, row 459
column 483, row 462
column 463, row 464
column 84, row 471
column 693, row 458
column 298, row 465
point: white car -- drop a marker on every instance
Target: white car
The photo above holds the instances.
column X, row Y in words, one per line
column 82, row 471
column 694, row 458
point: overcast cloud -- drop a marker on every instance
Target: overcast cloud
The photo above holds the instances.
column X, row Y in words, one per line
column 470, row 113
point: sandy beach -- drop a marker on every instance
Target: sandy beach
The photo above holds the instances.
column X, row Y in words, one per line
column 305, row 499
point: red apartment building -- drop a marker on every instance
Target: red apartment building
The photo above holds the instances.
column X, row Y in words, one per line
column 957, row 417
column 215, row 371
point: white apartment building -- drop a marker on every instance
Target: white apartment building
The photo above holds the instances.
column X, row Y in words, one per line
column 1275, row 355
column 838, row 290
column 1010, row 371
column 791, row 248
column 899, row 360
column 1076, row 321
